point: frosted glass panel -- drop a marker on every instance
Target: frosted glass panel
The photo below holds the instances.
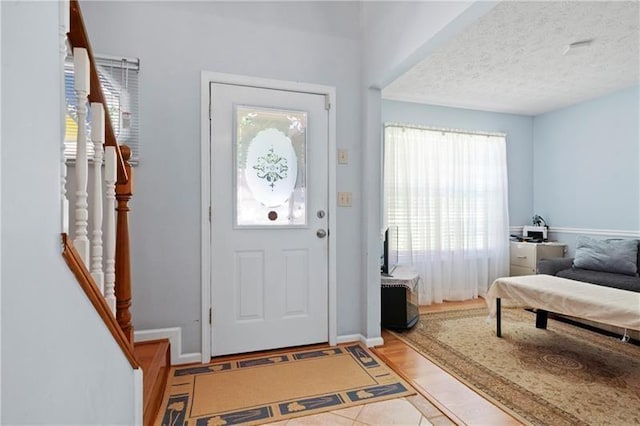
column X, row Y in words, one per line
column 270, row 153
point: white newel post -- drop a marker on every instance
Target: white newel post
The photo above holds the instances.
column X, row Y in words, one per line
column 97, row 137
column 63, row 29
column 81, row 73
column 110, row 175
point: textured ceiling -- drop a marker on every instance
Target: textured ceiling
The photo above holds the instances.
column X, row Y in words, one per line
column 511, row 59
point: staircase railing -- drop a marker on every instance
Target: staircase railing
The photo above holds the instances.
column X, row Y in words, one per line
column 103, row 253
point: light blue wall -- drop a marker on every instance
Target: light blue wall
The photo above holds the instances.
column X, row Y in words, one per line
column 519, row 130
column 587, row 164
column 238, row 38
column 60, row 365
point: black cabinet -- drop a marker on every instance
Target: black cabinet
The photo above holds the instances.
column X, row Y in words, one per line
column 399, row 299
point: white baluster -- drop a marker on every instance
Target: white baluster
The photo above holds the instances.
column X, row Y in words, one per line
column 97, row 137
column 81, row 74
column 110, row 227
column 63, row 29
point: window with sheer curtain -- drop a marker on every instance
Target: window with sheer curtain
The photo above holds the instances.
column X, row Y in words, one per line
column 446, row 191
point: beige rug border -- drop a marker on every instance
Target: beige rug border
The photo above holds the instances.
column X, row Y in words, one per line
column 410, row 389
column 462, row 380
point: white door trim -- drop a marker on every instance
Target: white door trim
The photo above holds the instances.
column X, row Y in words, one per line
column 206, row 78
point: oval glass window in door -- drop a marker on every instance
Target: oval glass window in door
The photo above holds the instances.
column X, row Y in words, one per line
column 270, row 178
column 272, row 167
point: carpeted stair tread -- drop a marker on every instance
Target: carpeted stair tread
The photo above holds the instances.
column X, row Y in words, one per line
column 154, row 357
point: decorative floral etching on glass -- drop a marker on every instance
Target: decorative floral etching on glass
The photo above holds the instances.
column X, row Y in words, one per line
column 270, row 176
column 272, row 167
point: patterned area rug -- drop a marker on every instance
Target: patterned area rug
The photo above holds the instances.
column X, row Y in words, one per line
column 279, row 386
column 563, row 375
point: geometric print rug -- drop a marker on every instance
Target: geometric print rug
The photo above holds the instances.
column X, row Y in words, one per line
column 274, row 387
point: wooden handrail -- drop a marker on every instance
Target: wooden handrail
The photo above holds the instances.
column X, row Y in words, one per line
column 73, row 259
column 78, row 37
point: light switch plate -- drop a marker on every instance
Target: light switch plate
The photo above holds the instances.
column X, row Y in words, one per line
column 343, row 156
column 344, row 199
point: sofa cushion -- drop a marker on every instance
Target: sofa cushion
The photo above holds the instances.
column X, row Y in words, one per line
column 616, row 256
column 608, row 279
column 553, row 265
column 637, row 241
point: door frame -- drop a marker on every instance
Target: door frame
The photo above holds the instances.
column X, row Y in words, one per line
column 206, row 275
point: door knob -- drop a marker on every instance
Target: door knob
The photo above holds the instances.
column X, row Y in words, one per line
column 321, row 233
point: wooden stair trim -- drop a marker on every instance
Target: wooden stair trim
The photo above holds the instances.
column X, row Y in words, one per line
column 87, row 283
column 155, row 370
column 155, row 366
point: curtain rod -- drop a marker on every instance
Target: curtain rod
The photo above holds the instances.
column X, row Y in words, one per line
column 442, row 129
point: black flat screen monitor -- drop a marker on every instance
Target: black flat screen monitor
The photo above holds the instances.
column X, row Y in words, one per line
column 390, row 250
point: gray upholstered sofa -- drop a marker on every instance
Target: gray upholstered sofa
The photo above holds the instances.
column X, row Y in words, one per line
column 601, row 274
column 607, row 265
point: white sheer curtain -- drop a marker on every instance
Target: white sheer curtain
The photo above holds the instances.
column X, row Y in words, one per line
column 447, row 193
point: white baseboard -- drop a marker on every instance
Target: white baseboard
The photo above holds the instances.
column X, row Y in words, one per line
column 373, row 341
column 174, row 334
column 348, row 338
column 189, row 358
column 368, row 342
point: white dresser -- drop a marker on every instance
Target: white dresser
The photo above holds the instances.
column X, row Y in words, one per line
column 525, row 256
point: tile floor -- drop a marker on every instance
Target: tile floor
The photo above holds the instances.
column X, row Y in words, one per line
column 434, row 386
column 432, row 383
column 412, row 410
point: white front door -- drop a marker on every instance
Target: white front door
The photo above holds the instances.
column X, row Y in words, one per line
column 269, row 200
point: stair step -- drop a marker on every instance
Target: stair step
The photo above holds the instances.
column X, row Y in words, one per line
column 154, row 357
